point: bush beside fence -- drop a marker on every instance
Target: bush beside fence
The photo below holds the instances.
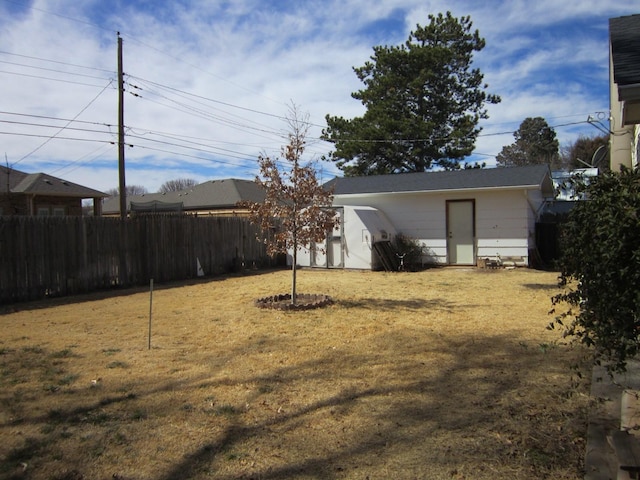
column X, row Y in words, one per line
column 55, row 256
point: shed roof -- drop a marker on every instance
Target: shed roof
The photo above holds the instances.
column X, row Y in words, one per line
column 43, row 184
column 212, row 194
column 625, row 50
column 533, row 176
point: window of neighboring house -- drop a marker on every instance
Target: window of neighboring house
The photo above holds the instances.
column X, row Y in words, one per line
column 58, row 211
column 43, row 211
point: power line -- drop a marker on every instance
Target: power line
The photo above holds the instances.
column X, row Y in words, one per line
column 102, row 150
column 112, row 72
column 59, row 15
column 50, row 70
column 200, row 97
column 63, row 128
column 33, row 135
column 49, row 78
column 42, row 125
column 227, row 151
column 195, row 156
column 190, row 110
column 47, row 117
column 187, row 96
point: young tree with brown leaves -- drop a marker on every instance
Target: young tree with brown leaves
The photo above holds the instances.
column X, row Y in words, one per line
column 296, row 210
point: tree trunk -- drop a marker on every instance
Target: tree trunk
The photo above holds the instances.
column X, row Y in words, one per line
column 293, row 274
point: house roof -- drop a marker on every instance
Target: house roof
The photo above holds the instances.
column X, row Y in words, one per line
column 533, row 176
column 43, row 184
column 625, row 51
column 212, row 194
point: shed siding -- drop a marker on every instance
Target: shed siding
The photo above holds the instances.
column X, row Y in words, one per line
column 505, row 220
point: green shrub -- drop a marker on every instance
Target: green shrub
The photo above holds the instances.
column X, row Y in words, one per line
column 600, row 269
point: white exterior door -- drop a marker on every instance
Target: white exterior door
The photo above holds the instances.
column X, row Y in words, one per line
column 331, row 254
column 318, row 255
column 461, row 232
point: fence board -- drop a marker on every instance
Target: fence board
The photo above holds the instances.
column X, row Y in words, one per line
column 55, row 256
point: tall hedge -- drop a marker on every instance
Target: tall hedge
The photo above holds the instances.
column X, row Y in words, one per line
column 600, row 269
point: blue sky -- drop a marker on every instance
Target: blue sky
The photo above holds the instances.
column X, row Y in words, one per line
column 214, row 79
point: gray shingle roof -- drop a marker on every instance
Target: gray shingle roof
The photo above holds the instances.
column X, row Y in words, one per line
column 212, row 194
column 534, row 176
column 624, row 35
column 43, row 184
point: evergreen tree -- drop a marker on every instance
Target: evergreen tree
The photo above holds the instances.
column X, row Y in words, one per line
column 536, row 143
column 423, row 103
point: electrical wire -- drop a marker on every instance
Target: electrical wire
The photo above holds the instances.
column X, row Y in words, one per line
column 111, row 72
column 51, row 79
column 200, row 97
column 41, row 125
column 79, row 162
column 210, row 117
column 197, row 157
column 227, row 151
column 59, row 15
column 57, row 137
column 47, row 117
column 203, row 112
column 51, row 70
column 63, row 128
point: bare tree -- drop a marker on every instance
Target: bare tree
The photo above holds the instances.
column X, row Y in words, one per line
column 296, row 211
column 177, row 185
column 131, row 190
column 587, row 151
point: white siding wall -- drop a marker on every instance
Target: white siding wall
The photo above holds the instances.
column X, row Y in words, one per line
column 505, row 220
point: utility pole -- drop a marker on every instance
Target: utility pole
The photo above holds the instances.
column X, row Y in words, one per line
column 123, row 275
column 121, row 185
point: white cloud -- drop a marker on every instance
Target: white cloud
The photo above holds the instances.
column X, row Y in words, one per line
column 543, row 58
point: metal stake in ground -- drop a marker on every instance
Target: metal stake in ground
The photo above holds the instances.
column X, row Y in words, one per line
column 150, row 309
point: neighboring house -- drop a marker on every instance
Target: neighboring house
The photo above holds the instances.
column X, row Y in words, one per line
column 213, row 197
column 41, row 194
column 624, row 68
column 563, row 183
column 459, row 217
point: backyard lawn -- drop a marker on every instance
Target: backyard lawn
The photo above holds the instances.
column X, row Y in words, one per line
column 441, row 374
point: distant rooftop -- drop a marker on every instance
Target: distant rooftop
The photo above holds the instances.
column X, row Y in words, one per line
column 534, row 176
column 43, row 184
column 212, row 194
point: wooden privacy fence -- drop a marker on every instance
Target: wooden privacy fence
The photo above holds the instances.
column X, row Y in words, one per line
column 53, row 256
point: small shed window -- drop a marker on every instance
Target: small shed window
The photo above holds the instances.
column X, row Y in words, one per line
column 58, row 211
column 43, row 211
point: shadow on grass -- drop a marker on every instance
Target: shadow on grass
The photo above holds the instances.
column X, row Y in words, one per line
column 120, row 291
column 396, row 305
column 551, row 287
column 402, row 422
column 480, row 378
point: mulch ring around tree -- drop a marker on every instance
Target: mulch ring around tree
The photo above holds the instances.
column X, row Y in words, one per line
column 304, row 301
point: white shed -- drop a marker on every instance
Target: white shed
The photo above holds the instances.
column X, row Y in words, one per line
column 457, row 216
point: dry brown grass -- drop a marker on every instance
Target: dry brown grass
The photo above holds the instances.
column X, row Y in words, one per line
column 442, row 374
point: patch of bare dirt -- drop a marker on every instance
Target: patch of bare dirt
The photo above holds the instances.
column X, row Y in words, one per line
column 442, row 374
